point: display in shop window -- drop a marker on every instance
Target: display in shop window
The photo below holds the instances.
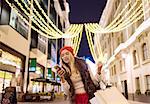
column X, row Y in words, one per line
column 9, row 97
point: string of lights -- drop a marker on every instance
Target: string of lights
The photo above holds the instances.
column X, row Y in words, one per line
column 119, row 15
column 56, row 36
column 98, row 46
column 133, row 17
column 75, row 40
column 95, row 28
column 54, row 26
column 122, row 17
column 78, row 44
column 90, row 44
column 19, row 15
column 109, row 27
column 41, row 25
column 48, row 29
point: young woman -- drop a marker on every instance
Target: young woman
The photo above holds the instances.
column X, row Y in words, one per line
column 76, row 78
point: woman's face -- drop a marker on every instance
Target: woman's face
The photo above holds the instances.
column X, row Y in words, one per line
column 66, row 56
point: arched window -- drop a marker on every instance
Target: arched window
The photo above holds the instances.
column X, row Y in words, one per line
column 134, row 57
column 145, row 51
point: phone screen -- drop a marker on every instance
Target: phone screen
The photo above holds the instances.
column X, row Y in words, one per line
column 57, row 67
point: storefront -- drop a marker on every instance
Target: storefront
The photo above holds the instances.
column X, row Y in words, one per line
column 11, row 68
column 6, row 76
column 35, row 71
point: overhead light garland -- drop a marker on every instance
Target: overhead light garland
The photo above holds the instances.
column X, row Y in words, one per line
column 52, row 34
column 88, row 34
column 134, row 17
column 74, row 33
column 112, row 27
column 119, row 15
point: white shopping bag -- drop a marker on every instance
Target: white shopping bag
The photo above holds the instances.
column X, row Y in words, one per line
column 94, row 101
column 110, row 96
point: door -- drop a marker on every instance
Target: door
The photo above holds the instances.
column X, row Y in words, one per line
column 126, row 89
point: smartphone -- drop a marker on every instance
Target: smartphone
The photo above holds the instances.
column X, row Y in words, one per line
column 57, row 67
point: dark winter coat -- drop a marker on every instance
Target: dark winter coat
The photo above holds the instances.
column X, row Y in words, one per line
column 89, row 86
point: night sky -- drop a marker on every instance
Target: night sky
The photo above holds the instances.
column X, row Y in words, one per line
column 85, row 11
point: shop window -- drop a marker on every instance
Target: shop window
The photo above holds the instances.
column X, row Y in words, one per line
column 5, row 80
column 134, row 57
column 145, row 51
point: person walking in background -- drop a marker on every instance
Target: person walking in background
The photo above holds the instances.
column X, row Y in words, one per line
column 76, row 78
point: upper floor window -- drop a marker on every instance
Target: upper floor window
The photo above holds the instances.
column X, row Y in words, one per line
column 134, row 57
column 110, row 71
column 120, row 66
column 117, row 4
column 145, row 51
column 120, row 39
column 115, row 70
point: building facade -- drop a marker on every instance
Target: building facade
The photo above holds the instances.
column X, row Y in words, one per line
column 20, row 45
column 127, row 51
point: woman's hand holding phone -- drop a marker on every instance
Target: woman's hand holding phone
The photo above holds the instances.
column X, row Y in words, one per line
column 60, row 71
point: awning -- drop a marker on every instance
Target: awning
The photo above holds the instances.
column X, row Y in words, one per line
column 53, row 82
column 6, row 67
column 39, row 80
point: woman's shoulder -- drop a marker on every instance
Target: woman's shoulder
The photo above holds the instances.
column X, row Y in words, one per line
column 80, row 59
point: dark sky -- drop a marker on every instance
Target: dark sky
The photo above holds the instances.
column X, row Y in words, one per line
column 85, row 11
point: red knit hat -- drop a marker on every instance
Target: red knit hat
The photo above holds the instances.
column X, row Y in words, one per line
column 69, row 48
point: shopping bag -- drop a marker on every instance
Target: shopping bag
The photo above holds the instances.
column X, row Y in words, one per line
column 110, row 96
column 94, row 101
